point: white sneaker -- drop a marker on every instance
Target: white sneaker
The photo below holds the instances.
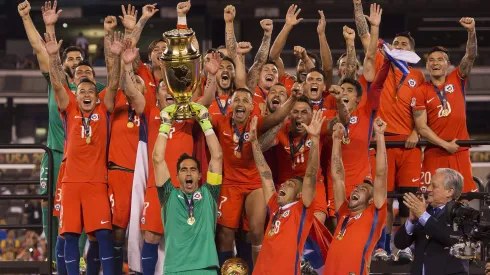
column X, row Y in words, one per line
column 381, row 254
column 404, row 256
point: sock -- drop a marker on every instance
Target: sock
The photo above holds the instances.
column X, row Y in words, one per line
column 149, row 258
column 388, row 243
column 60, row 256
column 53, row 239
column 118, row 258
column 93, row 259
column 82, row 242
column 223, row 256
column 72, row 255
column 246, row 253
column 106, row 250
column 382, row 239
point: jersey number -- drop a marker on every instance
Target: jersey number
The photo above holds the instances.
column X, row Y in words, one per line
column 172, row 130
column 146, row 206
column 277, row 226
column 223, row 200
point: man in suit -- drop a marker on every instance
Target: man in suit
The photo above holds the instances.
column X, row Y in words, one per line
column 430, row 226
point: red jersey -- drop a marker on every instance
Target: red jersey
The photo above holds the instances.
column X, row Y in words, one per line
column 238, row 163
column 281, row 253
column 331, row 102
column 395, row 108
column 361, row 233
column 179, row 141
column 151, row 83
column 301, row 144
column 288, row 81
column 86, row 159
column 449, row 127
column 125, row 124
column 221, row 105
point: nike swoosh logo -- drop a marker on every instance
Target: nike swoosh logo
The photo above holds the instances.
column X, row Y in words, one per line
column 148, row 258
column 414, row 180
column 104, row 259
column 151, row 84
column 180, row 196
column 157, row 117
column 61, row 256
column 226, row 134
column 67, row 262
column 428, row 101
column 287, row 147
column 103, row 222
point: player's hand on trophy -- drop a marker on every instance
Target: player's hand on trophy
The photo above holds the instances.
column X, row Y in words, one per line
column 202, row 116
column 229, row 14
column 183, row 8
column 167, row 114
column 50, row 15
column 149, row 10
column 130, row 52
column 267, row 26
column 128, row 19
column 243, row 48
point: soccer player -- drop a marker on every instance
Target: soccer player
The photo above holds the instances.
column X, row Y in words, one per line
column 440, row 110
column 189, row 212
column 363, row 216
column 278, row 94
column 85, row 201
column 241, row 181
column 291, row 209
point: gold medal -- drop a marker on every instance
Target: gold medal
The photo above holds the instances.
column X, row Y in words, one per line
column 87, row 140
column 445, row 112
column 238, row 154
column 345, row 140
column 130, row 124
column 271, row 233
column 427, row 236
column 340, row 236
column 191, row 220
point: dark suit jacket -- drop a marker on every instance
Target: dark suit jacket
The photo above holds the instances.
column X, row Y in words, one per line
column 432, row 244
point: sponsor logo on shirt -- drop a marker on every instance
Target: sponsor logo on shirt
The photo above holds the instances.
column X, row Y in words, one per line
column 353, row 120
column 449, row 88
column 412, row 83
column 143, row 221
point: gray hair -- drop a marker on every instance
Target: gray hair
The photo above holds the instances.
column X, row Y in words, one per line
column 452, row 180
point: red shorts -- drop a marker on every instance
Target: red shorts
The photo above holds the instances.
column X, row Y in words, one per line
column 151, row 219
column 331, row 201
column 120, row 190
column 404, row 167
column 459, row 161
column 231, row 204
column 84, row 205
column 57, row 197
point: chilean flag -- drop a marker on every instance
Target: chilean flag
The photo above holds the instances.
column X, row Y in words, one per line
column 316, row 246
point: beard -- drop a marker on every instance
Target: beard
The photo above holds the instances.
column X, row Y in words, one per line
column 68, row 72
column 227, row 90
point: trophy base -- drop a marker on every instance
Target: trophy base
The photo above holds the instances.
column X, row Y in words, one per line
column 184, row 112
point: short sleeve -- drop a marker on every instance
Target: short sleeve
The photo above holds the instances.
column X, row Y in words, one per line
column 343, row 210
column 379, row 61
column 418, row 99
column 164, row 191
column 272, row 205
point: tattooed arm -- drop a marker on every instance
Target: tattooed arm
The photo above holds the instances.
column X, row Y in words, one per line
column 369, row 68
column 337, row 167
column 114, row 77
column 216, row 162
column 343, row 115
column 309, row 181
column 135, row 97
column 471, row 49
column 325, row 53
column 351, row 69
column 52, row 48
column 267, row 139
column 231, row 44
column 110, row 22
column 379, row 192
column 264, row 170
column 261, row 56
column 361, row 24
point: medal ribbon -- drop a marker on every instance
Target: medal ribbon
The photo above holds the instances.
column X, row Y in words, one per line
column 275, row 218
column 86, row 123
column 264, row 95
column 441, row 95
column 190, row 204
column 318, row 103
column 222, row 108
column 293, row 150
column 130, row 113
column 344, row 226
column 239, row 135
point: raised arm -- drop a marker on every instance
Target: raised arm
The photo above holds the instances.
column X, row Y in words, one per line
column 301, row 53
column 53, row 48
column 337, row 167
column 325, row 53
column 374, row 95
column 369, row 66
column 231, row 44
column 261, row 56
column 35, row 39
column 280, row 42
column 380, row 180
column 361, row 24
column 211, row 68
column 309, row 181
column 50, row 17
column 264, row 170
column 420, row 117
column 115, row 49
column 135, row 97
column 110, row 23
column 240, row 72
column 162, row 174
column 351, row 66
column 471, row 49
column 281, row 113
column 343, row 115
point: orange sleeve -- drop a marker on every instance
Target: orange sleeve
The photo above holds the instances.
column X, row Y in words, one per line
column 344, row 209
column 418, row 99
column 272, row 205
column 379, row 61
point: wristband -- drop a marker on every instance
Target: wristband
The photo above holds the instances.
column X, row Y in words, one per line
column 182, row 22
column 164, row 128
column 205, row 125
column 214, row 179
column 209, row 132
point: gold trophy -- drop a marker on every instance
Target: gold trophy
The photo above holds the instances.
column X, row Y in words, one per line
column 182, row 65
column 234, row 266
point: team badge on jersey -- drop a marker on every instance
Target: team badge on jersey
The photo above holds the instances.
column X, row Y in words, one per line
column 286, row 213
column 143, row 221
column 353, row 120
column 197, row 196
column 449, row 88
column 43, row 184
column 57, row 207
column 412, row 83
column 308, row 143
column 246, row 136
column 94, row 117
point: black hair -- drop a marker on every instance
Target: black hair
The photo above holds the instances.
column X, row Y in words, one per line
column 245, row 90
column 314, row 58
column 64, row 56
column 86, row 63
column 214, row 50
column 153, row 44
column 306, row 100
column 438, row 49
column 408, row 35
column 185, row 156
column 358, row 64
column 86, row 80
column 354, row 83
column 226, row 58
column 318, row 71
column 279, row 84
column 270, row 61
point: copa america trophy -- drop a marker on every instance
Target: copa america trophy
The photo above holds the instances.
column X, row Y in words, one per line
column 182, row 65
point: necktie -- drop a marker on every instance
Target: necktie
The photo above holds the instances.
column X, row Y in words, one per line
column 435, row 211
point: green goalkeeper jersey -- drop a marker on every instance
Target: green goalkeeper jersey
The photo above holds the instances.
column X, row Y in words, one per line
column 189, row 247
